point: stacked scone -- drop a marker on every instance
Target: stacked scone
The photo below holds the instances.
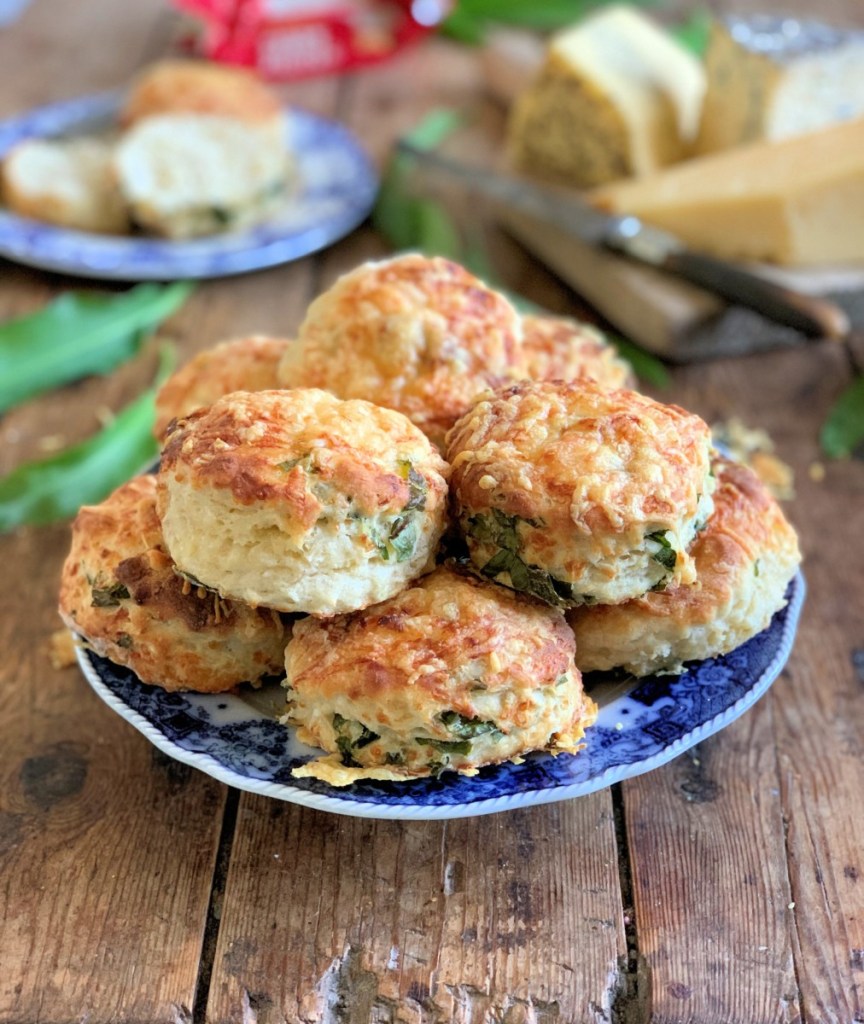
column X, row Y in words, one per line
column 457, row 509
column 198, row 149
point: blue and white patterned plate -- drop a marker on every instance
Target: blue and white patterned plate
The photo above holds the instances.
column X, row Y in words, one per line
column 642, row 725
column 336, row 188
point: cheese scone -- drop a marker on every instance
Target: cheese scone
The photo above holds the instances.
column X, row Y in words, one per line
column 579, row 494
column 121, row 592
column 240, row 364
column 183, row 175
column 558, row 348
column 451, row 674
column 744, row 559
column 417, row 334
column 299, row 501
column 65, row 181
column 178, row 86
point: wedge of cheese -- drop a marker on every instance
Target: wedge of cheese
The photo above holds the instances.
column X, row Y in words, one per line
column 798, row 201
column 616, row 96
column 773, row 77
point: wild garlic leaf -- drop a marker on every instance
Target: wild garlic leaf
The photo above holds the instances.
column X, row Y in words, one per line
column 693, row 33
column 466, row 728
column 666, row 554
column 404, row 219
column 842, row 433
column 470, row 18
column 79, row 334
column 350, row 736
column 52, row 489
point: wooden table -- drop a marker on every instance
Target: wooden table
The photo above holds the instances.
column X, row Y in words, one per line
column 726, row 887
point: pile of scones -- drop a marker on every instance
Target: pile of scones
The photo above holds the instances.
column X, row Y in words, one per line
column 431, row 515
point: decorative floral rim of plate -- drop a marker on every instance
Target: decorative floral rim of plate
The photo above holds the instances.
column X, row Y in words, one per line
column 643, row 723
column 336, row 189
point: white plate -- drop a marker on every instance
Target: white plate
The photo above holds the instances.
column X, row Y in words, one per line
column 336, row 189
column 642, row 724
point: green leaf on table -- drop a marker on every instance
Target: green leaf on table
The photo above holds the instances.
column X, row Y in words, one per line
column 406, row 220
column 694, row 32
column 78, row 334
column 51, row 489
column 843, row 430
column 464, row 27
column 469, row 19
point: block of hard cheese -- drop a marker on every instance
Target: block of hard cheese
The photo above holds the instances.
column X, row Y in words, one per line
column 773, row 77
column 799, row 201
column 616, row 96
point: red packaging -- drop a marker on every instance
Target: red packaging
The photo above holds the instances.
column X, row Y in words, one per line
column 290, row 39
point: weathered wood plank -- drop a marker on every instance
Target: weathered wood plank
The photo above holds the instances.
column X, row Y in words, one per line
column 509, row 917
column 709, row 879
column 719, row 911
column 108, row 847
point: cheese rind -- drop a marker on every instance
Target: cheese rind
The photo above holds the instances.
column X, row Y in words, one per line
column 799, row 201
column 616, row 97
column 773, row 77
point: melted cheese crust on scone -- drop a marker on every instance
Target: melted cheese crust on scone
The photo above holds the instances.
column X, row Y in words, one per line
column 121, row 592
column 580, row 494
column 744, row 559
column 451, row 674
column 240, row 364
column 557, row 348
column 202, row 87
column 299, row 501
column 417, row 334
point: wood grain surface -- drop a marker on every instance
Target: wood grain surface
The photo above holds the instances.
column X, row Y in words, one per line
column 726, row 887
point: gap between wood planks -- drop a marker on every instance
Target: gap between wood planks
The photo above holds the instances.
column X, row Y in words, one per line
column 629, row 992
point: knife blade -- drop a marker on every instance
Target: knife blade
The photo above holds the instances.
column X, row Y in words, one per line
column 627, row 235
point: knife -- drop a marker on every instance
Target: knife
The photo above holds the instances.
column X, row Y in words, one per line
column 631, row 237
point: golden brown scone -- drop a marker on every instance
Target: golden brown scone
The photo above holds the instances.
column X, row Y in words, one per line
column 240, row 364
column 452, row 673
column 413, row 333
column 557, row 348
column 179, row 86
column 577, row 493
column 299, row 501
column 120, row 591
column 744, row 558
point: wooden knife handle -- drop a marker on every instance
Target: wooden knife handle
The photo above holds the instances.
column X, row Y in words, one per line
column 809, row 314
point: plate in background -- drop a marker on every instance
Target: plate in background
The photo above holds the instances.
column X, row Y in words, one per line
column 335, row 192
column 642, row 724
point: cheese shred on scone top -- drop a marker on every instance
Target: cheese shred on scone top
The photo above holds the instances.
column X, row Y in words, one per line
column 299, row 501
column 451, row 674
column 121, row 591
column 744, row 559
column 579, row 494
column 417, row 334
